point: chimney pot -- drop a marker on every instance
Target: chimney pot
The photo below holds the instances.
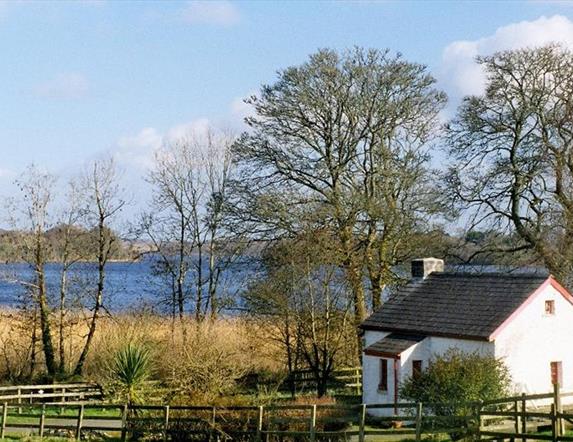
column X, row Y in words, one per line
column 421, row 268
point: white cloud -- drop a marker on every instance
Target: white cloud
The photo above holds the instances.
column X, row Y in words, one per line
column 462, row 76
column 216, row 12
column 198, row 128
column 138, row 150
column 239, row 109
column 65, row 86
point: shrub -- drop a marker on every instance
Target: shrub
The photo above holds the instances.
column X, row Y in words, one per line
column 208, row 366
column 454, row 381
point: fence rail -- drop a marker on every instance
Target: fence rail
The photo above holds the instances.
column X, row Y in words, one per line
column 314, row 422
column 350, row 377
column 505, row 418
column 34, row 394
column 524, row 424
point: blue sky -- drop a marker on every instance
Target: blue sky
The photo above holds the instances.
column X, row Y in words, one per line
column 80, row 78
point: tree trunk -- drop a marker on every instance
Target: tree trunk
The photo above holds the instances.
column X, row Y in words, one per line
column 34, row 343
column 353, row 270
column 181, row 273
column 321, row 386
column 61, row 343
column 290, row 359
column 212, row 282
column 45, row 328
column 354, row 277
column 378, row 273
column 199, row 284
column 102, row 259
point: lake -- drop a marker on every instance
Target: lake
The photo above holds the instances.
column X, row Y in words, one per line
column 128, row 285
column 133, row 285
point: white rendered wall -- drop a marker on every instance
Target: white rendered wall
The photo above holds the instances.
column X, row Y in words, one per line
column 421, row 351
column 532, row 340
column 439, row 346
column 371, row 373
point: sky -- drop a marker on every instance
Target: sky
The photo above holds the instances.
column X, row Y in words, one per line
column 80, row 79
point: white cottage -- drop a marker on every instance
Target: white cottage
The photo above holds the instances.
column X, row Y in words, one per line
column 525, row 319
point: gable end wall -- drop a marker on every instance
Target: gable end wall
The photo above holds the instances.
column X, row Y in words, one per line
column 533, row 339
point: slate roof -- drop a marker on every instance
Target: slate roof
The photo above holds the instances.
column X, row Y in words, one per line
column 461, row 305
column 393, row 344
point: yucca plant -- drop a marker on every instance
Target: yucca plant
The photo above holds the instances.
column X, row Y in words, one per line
column 131, row 367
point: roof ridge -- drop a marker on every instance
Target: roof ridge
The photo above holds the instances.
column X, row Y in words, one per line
column 481, row 274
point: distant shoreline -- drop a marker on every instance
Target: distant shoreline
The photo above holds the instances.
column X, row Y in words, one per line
column 77, row 262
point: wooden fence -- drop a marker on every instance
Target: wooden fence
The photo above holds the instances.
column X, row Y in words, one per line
column 350, row 378
column 31, row 394
column 269, row 423
column 526, row 417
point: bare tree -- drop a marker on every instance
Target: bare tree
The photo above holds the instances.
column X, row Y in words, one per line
column 303, row 298
column 185, row 225
column 69, row 246
column 222, row 248
column 513, row 154
column 36, row 187
column 340, row 142
column 104, row 196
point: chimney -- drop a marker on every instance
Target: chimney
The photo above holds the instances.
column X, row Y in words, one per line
column 421, row 268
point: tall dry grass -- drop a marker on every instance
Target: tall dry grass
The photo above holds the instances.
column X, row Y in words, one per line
column 192, row 362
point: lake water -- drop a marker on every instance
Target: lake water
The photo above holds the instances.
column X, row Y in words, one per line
column 133, row 285
column 128, row 285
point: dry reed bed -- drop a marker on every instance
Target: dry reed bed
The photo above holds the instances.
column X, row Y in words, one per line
column 195, row 362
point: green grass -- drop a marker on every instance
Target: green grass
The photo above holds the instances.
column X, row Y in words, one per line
column 31, row 415
column 28, row 438
column 71, row 411
column 568, row 433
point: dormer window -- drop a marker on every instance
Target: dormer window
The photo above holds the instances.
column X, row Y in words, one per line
column 549, row 307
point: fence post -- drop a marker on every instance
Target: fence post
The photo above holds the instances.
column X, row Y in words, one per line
column 362, row 423
column 19, row 400
column 63, row 400
column 4, row 419
column 419, row 422
column 166, row 422
column 260, row 424
column 553, row 422
column 42, row 420
column 516, row 416
column 478, row 412
column 523, row 417
column 124, row 423
column 313, row 423
column 558, row 409
column 80, row 422
column 213, row 433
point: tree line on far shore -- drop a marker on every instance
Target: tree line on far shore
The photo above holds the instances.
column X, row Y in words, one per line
column 335, row 180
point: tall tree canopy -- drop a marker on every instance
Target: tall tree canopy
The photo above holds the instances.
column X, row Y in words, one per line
column 339, row 143
column 512, row 150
